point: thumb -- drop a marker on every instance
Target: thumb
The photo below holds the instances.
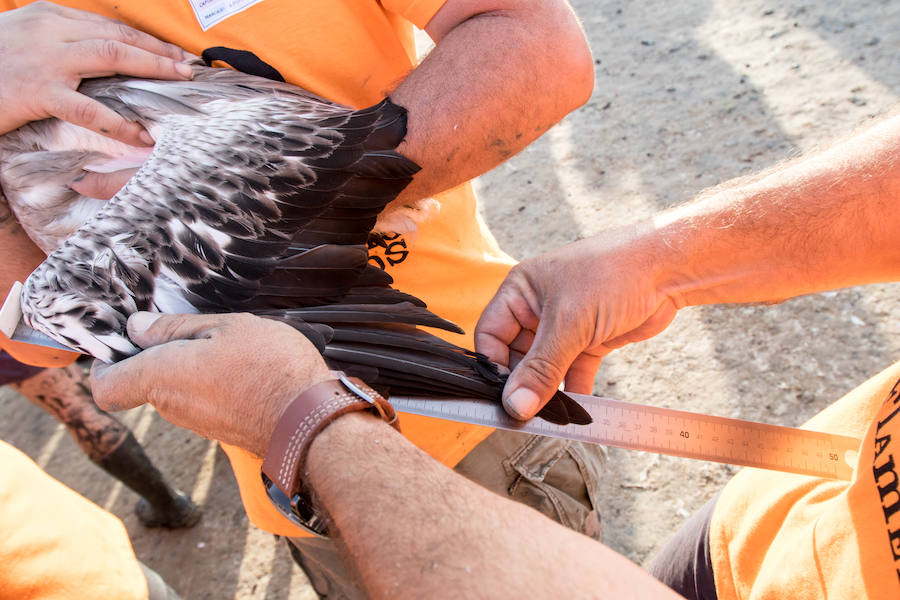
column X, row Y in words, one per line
column 148, row 329
column 102, row 186
column 114, row 387
column 135, row 380
column 537, row 376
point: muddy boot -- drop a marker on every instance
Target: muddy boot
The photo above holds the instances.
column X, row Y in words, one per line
column 160, row 504
column 65, row 394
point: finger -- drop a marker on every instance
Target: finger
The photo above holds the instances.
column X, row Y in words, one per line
column 519, row 347
column 495, row 329
column 537, row 377
column 102, row 57
column 580, row 377
column 492, row 347
column 144, row 41
column 502, row 321
column 102, row 186
column 103, row 27
column 118, row 386
column 654, row 325
column 148, row 329
column 514, row 359
column 133, row 381
column 522, row 342
column 78, row 109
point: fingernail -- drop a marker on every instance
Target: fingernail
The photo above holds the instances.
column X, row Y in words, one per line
column 140, row 322
column 184, row 70
column 522, row 403
column 146, row 137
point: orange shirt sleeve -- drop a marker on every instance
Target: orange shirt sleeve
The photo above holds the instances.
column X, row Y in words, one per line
column 417, row 12
column 780, row 535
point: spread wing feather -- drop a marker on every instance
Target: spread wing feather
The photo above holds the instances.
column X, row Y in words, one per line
column 405, row 360
column 258, row 197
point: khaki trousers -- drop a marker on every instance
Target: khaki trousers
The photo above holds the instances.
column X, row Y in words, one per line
column 559, row 478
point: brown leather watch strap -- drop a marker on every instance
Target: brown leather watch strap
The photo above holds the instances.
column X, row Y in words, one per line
column 306, row 416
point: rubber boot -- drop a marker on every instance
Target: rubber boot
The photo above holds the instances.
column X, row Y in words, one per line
column 65, row 394
column 160, row 504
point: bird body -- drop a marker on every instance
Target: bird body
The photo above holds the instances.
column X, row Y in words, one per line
column 256, row 197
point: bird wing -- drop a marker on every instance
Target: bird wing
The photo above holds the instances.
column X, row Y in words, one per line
column 257, row 198
column 216, row 208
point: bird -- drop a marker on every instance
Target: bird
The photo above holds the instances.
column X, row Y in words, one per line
column 257, row 196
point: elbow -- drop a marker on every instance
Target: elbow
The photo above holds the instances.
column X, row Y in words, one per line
column 579, row 74
column 570, row 61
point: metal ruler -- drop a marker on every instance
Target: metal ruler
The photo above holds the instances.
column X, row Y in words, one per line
column 616, row 423
column 667, row 431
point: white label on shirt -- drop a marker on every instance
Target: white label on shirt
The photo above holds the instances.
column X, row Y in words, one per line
column 210, row 12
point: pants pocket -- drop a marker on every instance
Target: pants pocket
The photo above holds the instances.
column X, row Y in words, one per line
column 560, row 478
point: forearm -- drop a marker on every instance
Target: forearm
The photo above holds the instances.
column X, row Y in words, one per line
column 411, row 527
column 824, row 222
column 495, row 81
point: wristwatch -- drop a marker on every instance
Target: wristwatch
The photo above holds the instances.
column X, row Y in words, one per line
column 302, row 420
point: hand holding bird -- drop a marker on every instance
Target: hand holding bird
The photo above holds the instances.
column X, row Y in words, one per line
column 199, row 371
column 46, row 51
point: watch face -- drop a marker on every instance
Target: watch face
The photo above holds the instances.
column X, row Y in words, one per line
column 298, row 510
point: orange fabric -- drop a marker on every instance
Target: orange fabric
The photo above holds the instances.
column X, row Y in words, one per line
column 353, row 52
column 58, row 545
column 37, row 356
column 778, row 535
column 350, row 51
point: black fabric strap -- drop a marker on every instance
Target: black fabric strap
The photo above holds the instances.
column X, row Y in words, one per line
column 242, row 60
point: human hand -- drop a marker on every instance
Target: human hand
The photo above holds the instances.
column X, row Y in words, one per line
column 558, row 314
column 45, row 52
column 102, row 186
column 227, row 377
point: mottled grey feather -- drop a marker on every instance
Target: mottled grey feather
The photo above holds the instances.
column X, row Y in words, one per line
column 258, row 197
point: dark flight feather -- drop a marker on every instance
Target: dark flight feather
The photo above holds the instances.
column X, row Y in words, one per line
column 257, row 197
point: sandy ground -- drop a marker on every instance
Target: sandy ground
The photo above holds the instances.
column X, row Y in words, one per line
column 688, row 94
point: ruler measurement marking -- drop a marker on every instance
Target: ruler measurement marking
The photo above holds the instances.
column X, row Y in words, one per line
column 669, row 431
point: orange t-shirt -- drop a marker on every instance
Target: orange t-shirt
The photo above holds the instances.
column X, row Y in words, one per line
column 56, row 543
column 778, row 535
column 353, row 52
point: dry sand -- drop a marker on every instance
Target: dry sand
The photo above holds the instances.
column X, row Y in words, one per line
column 688, row 94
